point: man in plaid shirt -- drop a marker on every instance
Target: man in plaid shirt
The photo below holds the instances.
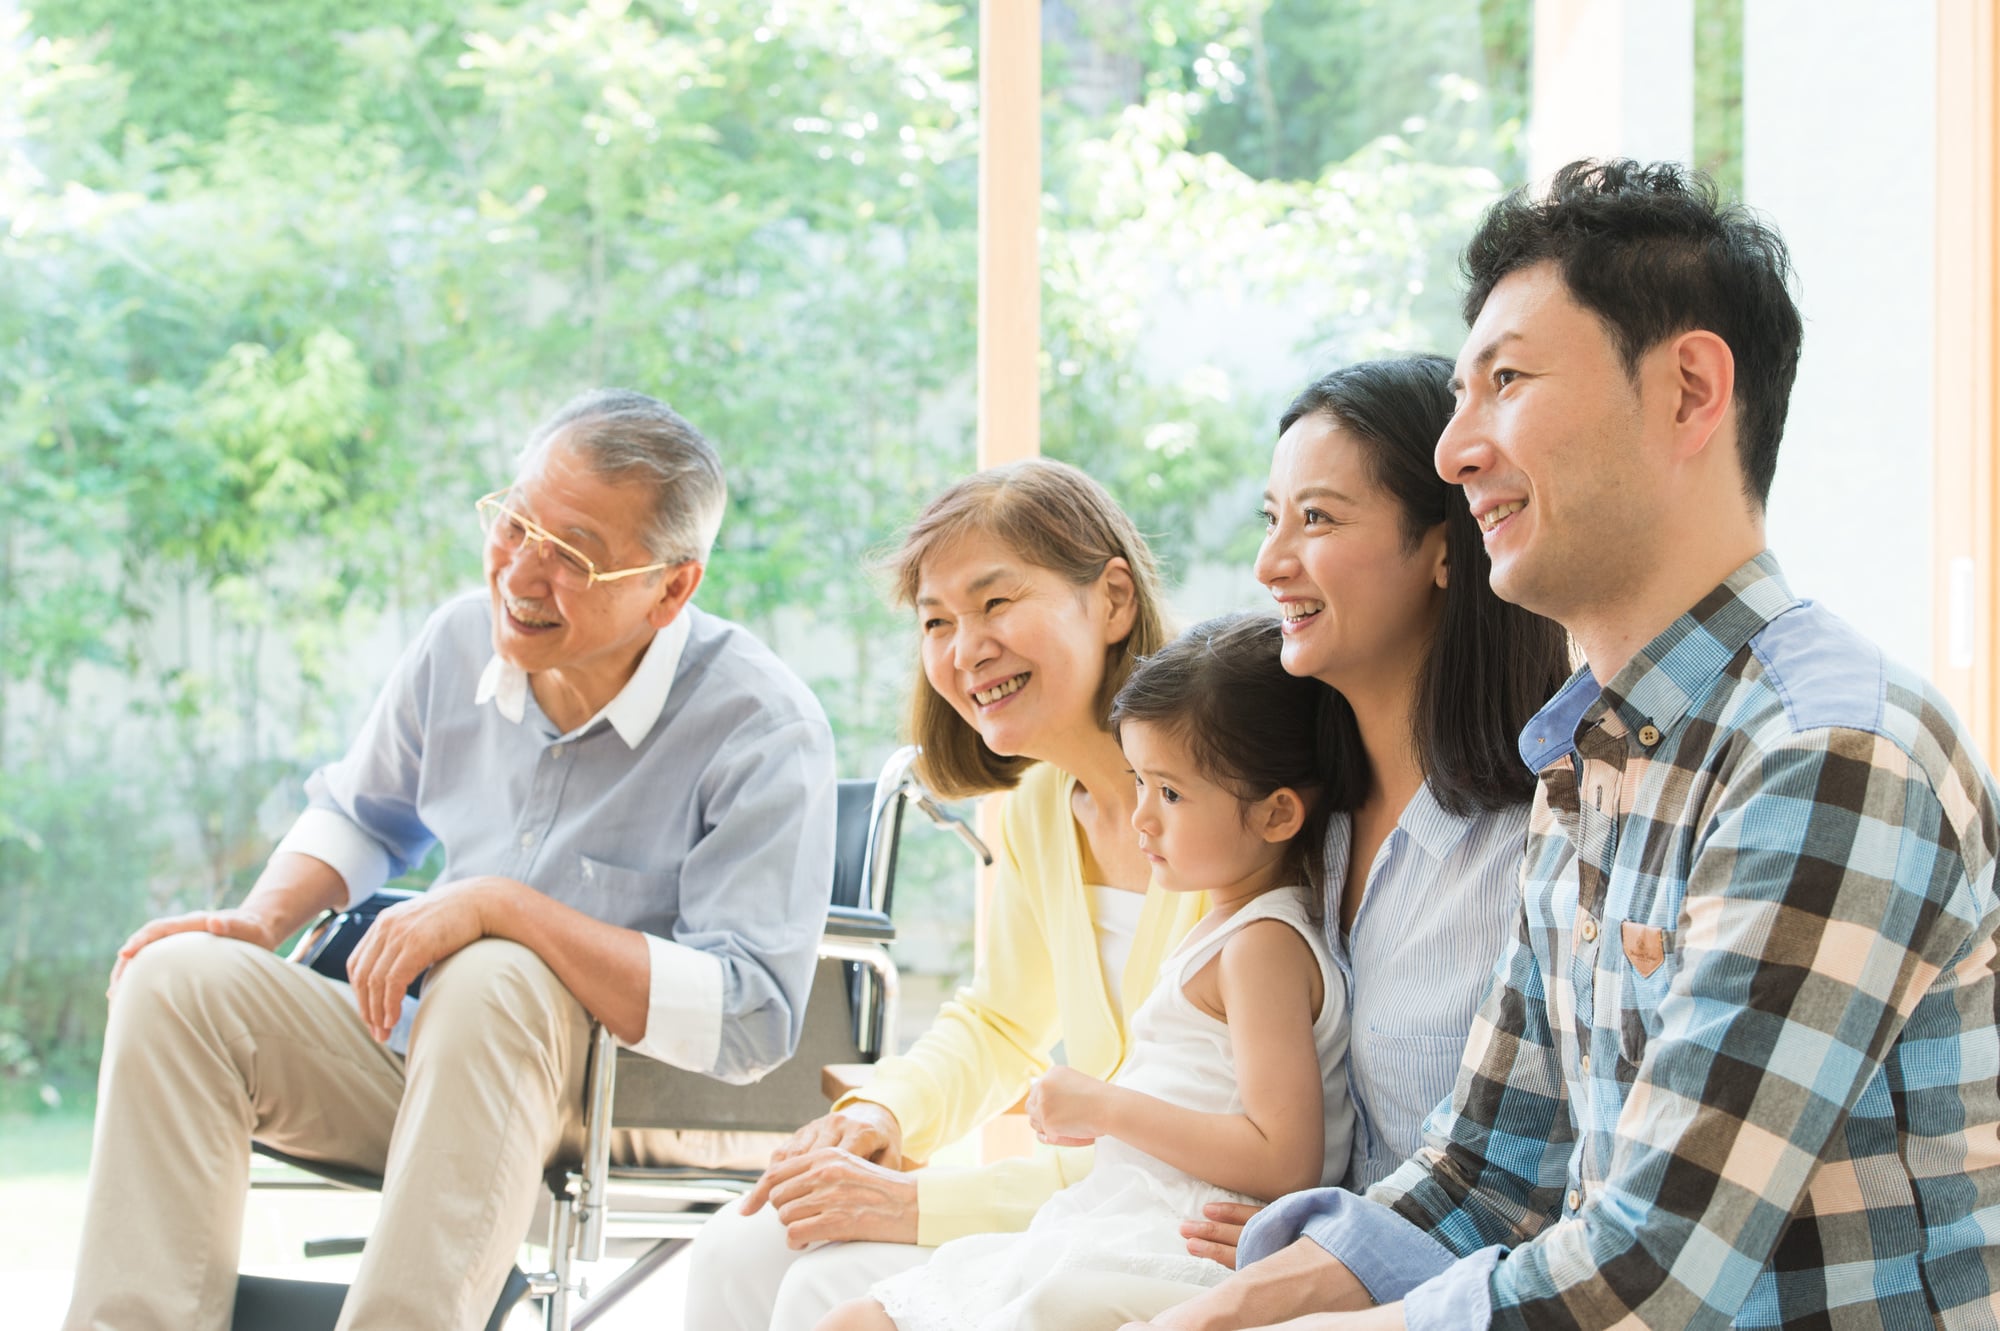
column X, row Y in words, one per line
column 1738, row 1066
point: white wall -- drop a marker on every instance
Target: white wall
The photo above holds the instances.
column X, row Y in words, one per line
column 1613, row 78
column 1840, row 131
column 1840, row 153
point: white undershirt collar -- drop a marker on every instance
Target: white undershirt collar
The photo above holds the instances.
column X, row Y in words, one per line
column 635, row 708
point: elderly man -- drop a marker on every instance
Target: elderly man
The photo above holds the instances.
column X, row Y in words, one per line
column 635, row 801
column 1737, row 1067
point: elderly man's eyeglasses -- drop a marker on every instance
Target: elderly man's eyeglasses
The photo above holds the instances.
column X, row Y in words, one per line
column 569, row 567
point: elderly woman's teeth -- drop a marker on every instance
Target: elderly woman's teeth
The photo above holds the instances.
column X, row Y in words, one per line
column 1000, row 690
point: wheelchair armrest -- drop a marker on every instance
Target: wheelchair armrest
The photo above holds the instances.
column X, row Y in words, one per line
column 852, row 922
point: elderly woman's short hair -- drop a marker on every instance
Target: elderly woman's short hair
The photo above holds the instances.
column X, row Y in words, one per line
column 624, row 434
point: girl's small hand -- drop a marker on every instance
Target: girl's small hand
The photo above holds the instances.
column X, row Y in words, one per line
column 1067, row 1107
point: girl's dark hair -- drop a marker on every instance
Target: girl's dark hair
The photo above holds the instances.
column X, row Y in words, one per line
column 1252, row 728
column 1491, row 665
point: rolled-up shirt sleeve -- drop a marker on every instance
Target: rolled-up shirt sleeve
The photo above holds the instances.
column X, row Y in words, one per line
column 754, row 892
column 683, row 1006
column 335, row 840
column 1386, row 1253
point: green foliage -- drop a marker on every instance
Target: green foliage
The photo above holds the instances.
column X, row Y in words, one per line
column 192, row 58
column 1718, row 92
column 1285, row 87
column 282, row 288
column 77, row 861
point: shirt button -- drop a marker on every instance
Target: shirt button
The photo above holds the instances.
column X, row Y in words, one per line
column 1589, row 930
column 1575, row 1200
column 527, row 840
column 1586, row 1065
column 555, row 750
column 1649, row 735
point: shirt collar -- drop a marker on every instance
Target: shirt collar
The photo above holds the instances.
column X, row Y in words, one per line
column 1550, row 734
column 1432, row 826
column 1665, row 677
column 631, row 713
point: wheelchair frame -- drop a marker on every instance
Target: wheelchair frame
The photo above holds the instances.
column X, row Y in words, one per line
column 623, row 1090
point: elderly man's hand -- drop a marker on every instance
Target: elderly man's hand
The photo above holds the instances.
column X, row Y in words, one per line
column 245, row 925
column 831, row 1195
column 409, row 938
column 861, row 1129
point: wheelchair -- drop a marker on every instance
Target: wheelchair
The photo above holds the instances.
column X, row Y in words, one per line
column 850, row 1019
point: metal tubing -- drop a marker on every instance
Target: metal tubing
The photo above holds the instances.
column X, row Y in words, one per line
column 562, row 1226
column 617, row 1288
column 590, row 1184
column 872, row 956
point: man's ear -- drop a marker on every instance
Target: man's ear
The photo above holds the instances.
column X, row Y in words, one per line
column 676, row 590
column 1121, row 599
column 1280, row 815
column 1704, row 388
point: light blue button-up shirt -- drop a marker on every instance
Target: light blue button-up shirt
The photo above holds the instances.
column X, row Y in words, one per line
column 696, row 808
column 1441, row 898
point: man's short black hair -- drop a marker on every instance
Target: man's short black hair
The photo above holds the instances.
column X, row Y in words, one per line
column 1649, row 250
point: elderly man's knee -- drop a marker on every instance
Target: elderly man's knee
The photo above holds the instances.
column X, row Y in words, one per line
column 182, row 972
column 490, row 984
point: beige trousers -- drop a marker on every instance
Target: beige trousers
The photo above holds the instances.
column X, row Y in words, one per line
column 212, row 1042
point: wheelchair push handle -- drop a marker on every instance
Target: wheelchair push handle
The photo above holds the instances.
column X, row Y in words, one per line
column 899, row 781
column 952, row 823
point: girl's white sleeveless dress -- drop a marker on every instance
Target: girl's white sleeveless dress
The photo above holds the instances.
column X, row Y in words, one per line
column 1124, row 1217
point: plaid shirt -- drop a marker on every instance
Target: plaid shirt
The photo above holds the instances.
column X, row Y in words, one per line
column 1738, row 1066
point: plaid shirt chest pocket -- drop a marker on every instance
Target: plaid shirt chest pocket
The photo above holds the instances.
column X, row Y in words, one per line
column 1636, row 968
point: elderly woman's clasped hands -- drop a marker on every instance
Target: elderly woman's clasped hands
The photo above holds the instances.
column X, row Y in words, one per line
column 840, row 1178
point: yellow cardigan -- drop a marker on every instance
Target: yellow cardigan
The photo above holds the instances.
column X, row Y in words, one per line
column 1042, row 983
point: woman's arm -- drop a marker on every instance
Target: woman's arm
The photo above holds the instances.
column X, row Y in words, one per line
column 974, row 1061
column 994, row 1036
column 1277, row 1145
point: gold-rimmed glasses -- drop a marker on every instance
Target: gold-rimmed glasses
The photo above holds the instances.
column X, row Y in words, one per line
column 569, row 567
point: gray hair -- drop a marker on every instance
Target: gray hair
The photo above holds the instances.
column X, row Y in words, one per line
column 622, row 433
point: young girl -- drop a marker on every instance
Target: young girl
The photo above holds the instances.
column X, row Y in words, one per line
column 1234, row 1088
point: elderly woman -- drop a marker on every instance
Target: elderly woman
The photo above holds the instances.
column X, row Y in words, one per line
column 1033, row 594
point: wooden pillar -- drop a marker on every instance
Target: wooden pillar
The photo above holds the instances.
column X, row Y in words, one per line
column 1966, row 622
column 1010, row 323
column 1010, row 213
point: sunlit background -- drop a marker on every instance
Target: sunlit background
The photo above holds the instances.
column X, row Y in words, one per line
column 283, row 286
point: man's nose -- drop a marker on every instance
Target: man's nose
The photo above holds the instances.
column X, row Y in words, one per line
column 1463, row 450
column 525, row 570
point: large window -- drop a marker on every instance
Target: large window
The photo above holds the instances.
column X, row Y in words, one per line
column 283, row 287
